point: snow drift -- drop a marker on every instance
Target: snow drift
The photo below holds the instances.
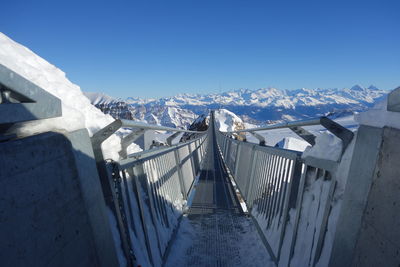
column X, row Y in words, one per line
column 77, row 112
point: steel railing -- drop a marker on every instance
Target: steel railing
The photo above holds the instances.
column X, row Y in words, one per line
column 274, row 181
column 147, row 191
column 160, row 182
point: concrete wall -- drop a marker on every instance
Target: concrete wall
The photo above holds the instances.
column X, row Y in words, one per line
column 368, row 228
column 378, row 242
column 52, row 212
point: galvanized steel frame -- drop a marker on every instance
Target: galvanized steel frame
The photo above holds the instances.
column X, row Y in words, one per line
column 21, row 100
column 273, row 184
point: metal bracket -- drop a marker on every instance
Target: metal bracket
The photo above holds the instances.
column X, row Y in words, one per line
column 100, row 136
column 393, row 100
column 172, row 137
column 97, row 139
column 128, row 140
column 21, row 100
column 260, row 138
column 304, row 134
column 338, row 130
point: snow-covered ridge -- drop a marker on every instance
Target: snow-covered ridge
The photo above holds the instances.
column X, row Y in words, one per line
column 228, row 121
column 275, row 97
column 77, row 111
column 265, row 105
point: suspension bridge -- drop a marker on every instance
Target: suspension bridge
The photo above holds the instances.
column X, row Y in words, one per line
column 212, row 200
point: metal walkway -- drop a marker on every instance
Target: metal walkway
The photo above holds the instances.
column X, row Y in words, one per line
column 216, row 232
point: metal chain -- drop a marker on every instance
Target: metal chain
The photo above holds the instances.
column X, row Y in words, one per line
column 115, row 173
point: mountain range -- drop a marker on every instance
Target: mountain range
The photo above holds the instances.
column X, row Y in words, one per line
column 265, row 105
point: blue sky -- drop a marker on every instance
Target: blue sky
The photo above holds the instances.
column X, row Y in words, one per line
column 161, row 48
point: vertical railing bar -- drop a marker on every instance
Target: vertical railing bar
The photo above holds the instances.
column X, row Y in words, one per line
column 298, row 211
column 258, row 185
column 283, row 187
column 139, row 172
column 159, row 192
column 271, row 185
column 169, row 163
column 180, row 174
column 192, row 166
column 237, row 156
column 153, row 187
column 274, row 190
column 324, row 222
column 128, row 200
column 264, row 192
column 278, row 188
column 296, row 172
column 250, row 177
column 289, row 166
column 253, row 182
column 261, row 179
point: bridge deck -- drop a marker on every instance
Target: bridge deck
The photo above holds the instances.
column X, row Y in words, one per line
column 216, row 232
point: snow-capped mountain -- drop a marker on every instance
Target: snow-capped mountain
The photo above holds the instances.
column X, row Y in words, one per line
column 224, row 120
column 265, row 105
column 171, row 116
column 271, row 104
column 228, row 121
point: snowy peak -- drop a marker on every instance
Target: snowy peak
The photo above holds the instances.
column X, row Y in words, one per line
column 228, row 121
column 357, row 88
column 372, row 87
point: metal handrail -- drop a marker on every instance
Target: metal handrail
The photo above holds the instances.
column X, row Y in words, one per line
column 159, row 180
column 296, row 126
column 273, row 181
column 289, row 124
column 147, row 154
column 155, row 179
column 142, row 125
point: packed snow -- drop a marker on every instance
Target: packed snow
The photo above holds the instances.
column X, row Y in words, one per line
column 77, row 112
column 327, row 146
column 379, row 116
column 293, row 143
